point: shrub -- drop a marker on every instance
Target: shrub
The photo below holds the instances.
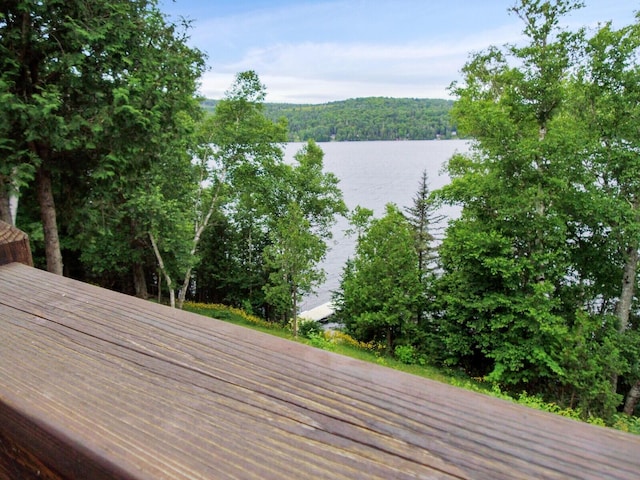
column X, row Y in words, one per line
column 339, row 337
column 406, row 354
column 318, row 340
column 307, row 328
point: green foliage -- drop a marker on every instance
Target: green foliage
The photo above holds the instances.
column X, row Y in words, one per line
column 407, row 354
column 318, row 340
column 308, row 201
column 242, row 155
column 308, row 328
column 380, row 291
column 374, row 118
column 532, row 268
column 291, row 257
column 590, row 358
column 626, row 423
column 425, row 222
column 230, row 314
column 94, row 93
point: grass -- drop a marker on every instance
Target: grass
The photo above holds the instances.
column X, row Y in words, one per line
column 343, row 344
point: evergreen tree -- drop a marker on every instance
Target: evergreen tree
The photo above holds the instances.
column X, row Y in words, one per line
column 380, row 292
column 92, row 91
column 425, row 221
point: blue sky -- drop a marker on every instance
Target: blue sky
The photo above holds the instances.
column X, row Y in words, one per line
column 317, row 51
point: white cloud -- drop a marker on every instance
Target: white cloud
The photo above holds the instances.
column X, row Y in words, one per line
column 318, row 72
column 318, row 51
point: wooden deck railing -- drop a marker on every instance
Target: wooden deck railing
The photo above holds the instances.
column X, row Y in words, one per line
column 14, row 245
column 99, row 385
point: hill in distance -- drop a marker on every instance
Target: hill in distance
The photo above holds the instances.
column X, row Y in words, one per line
column 364, row 119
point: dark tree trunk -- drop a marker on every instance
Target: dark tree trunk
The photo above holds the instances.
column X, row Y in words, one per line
column 5, row 206
column 140, row 281
column 49, row 223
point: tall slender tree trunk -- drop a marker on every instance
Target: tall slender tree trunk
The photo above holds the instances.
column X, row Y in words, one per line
column 295, row 312
column 14, row 198
column 49, row 222
column 165, row 274
column 632, row 399
column 182, row 294
column 628, row 290
column 623, row 308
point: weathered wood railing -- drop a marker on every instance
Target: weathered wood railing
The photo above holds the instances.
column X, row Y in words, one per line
column 97, row 385
column 14, row 245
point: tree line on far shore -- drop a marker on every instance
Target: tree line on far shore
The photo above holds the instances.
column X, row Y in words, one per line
column 362, row 119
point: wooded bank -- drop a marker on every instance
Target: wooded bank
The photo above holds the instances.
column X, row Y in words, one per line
column 363, row 119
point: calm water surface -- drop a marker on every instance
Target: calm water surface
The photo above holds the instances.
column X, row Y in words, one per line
column 371, row 175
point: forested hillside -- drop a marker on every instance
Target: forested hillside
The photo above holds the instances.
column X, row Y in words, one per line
column 373, row 118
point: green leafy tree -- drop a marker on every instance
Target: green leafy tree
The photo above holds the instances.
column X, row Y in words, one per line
column 243, row 151
column 505, row 260
column 606, row 100
column 380, row 291
column 530, row 267
column 234, row 147
column 90, row 91
column 309, row 200
column 292, row 258
column 248, row 158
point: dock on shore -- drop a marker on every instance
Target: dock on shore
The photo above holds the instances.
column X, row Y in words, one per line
column 320, row 313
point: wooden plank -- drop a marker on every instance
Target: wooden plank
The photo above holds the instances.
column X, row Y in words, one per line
column 161, row 393
column 14, row 245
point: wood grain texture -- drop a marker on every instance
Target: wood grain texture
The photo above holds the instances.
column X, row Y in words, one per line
column 95, row 384
column 14, row 245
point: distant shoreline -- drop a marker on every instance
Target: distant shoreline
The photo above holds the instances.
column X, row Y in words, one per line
column 363, row 119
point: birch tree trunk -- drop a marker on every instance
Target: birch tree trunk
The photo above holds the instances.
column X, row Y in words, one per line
column 196, row 240
column 632, row 399
column 295, row 313
column 165, row 274
column 623, row 309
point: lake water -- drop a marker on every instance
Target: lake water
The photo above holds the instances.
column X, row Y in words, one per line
column 371, row 175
